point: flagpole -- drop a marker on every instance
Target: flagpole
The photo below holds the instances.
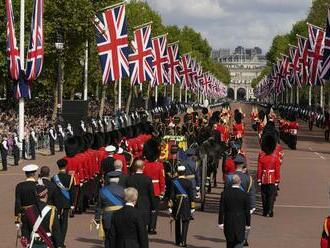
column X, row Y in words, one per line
column 321, row 97
column 21, row 100
column 310, row 96
column 86, row 73
column 291, row 95
column 186, row 95
column 165, row 91
column 180, row 98
column 156, row 94
column 119, row 94
column 172, row 92
column 297, row 100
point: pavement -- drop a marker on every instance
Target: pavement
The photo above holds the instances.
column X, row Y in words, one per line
column 301, row 206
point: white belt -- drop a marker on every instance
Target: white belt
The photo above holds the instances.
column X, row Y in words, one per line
column 155, row 181
column 36, row 235
column 269, row 170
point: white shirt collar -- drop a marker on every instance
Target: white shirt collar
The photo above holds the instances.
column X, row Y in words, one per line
column 235, row 186
column 129, row 204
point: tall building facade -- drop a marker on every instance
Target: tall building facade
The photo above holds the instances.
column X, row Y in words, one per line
column 244, row 65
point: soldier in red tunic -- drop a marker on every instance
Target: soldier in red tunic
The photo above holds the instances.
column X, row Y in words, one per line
column 268, row 174
column 155, row 170
column 325, row 238
column 238, row 127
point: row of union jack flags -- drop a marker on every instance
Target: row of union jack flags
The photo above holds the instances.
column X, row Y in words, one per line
column 35, row 54
column 146, row 58
column 308, row 63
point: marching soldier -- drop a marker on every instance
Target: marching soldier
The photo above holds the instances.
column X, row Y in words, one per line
column 52, row 139
column 181, row 206
column 82, row 128
column 111, row 199
column 33, row 141
column 4, row 153
column 268, row 174
column 44, row 179
column 61, row 136
column 25, row 198
column 65, row 199
column 94, row 126
column 155, row 170
column 192, row 169
column 42, row 222
column 69, row 131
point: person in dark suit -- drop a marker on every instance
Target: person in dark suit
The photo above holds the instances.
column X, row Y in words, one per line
column 65, row 199
column 127, row 225
column 182, row 196
column 234, row 214
column 143, row 184
column 107, row 164
column 51, row 187
column 33, row 142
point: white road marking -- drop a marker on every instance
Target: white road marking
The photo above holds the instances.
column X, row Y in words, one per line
column 318, row 154
column 302, row 206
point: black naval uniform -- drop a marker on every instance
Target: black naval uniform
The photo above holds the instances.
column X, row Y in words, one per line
column 25, row 197
column 128, row 229
column 61, row 136
column 65, row 199
column 50, row 225
column 111, row 199
column 4, row 154
column 52, row 191
column 32, row 142
column 15, row 150
column 145, row 202
column 182, row 197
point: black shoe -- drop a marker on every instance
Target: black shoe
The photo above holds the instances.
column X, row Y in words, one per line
column 152, row 232
column 246, row 243
column 264, row 214
column 183, row 244
column 271, row 214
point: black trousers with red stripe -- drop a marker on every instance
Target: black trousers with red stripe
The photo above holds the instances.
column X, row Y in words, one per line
column 268, row 195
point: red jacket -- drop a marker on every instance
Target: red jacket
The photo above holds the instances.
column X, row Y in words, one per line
column 122, row 158
column 230, row 167
column 325, row 238
column 238, row 130
column 268, row 168
column 155, row 170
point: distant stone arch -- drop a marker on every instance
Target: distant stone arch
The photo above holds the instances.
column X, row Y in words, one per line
column 231, row 93
column 241, row 94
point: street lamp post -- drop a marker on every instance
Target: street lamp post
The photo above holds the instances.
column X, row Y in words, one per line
column 59, row 45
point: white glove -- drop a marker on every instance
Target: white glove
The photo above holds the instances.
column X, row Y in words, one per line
column 276, row 184
column 192, row 211
column 252, row 210
column 197, row 188
column 72, row 207
column 198, row 195
column 18, row 226
column 221, row 226
column 259, row 184
column 247, row 227
column 170, row 210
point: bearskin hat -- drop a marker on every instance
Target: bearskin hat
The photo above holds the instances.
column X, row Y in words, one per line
column 151, row 150
column 205, row 111
column 88, row 139
column 268, row 143
column 261, row 115
column 238, row 117
column 71, row 146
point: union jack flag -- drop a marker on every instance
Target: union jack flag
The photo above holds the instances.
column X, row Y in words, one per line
column 14, row 62
column 112, row 43
column 205, row 82
column 173, row 63
column 303, row 47
column 285, row 72
column 316, row 41
column 295, row 73
column 160, row 62
column 186, row 70
column 140, row 60
column 35, row 55
column 326, row 52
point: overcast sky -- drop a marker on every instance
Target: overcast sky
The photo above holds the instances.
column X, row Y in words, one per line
column 229, row 23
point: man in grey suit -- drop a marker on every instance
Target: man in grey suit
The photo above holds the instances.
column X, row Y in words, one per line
column 234, row 214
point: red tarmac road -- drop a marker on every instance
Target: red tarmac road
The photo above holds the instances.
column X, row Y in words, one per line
column 301, row 206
